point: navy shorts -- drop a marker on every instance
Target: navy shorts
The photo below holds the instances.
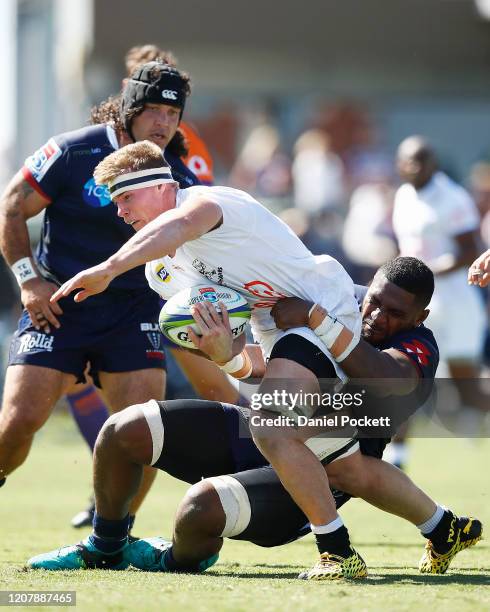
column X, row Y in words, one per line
column 116, row 333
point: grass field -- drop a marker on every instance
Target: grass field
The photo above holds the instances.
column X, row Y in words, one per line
column 36, row 505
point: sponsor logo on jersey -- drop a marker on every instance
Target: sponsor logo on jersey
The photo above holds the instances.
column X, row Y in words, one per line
column 82, row 152
column 96, row 195
column 42, row 160
column 162, row 273
column 418, row 350
column 149, row 327
column 263, row 290
column 35, row 343
column 213, row 274
column 169, row 94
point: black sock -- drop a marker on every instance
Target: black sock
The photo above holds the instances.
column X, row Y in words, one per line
column 2, row 481
column 336, row 542
column 439, row 535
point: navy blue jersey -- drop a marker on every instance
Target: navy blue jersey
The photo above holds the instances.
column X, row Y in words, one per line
column 420, row 346
column 417, row 343
column 81, row 227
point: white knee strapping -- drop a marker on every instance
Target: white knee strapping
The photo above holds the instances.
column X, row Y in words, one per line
column 153, row 417
column 235, row 503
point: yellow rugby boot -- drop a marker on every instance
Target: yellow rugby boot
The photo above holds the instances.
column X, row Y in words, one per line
column 463, row 533
column 334, row 567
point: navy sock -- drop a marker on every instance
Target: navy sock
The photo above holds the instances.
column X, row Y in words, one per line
column 172, row 565
column 336, row 542
column 89, row 412
column 132, row 518
column 109, row 536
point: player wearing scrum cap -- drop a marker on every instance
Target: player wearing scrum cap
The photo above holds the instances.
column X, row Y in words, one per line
column 194, row 234
column 116, row 332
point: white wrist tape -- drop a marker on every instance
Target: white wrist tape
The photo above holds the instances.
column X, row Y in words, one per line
column 329, row 330
column 351, row 346
column 310, row 312
column 238, row 367
column 23, row 270
column 234, row 364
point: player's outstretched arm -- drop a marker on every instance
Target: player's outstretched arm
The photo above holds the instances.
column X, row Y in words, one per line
column 158, row 238
column 358, row 360
column 479, row 271
column 19, row 202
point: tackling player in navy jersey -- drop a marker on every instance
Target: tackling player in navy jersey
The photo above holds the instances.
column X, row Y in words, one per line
column 118, row 333
column 192, row 439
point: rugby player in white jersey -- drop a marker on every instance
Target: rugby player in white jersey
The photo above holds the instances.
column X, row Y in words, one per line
column 225, row 236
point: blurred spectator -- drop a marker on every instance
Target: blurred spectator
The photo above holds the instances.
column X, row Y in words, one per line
column 318, row 174
column 436, row 220
column 368, row 240
column 480, row 186
column 262, row 167
column 348, row 125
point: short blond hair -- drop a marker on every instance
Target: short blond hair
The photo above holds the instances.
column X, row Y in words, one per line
column 142, row 54
column 131, row 158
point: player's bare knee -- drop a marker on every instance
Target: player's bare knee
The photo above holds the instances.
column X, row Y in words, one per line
column 19, row 422
column 127, row 432
column 201, row 511
column 349, row 475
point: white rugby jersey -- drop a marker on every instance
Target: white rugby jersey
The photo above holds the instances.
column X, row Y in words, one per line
column 425, row 221
column 257, row 254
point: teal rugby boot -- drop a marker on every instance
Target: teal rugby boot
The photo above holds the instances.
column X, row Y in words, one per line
column 83, row 555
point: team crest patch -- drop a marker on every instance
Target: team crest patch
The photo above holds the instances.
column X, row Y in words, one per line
column 162, row 273
column 155, row 339
column 417, row 350
column 42, row 160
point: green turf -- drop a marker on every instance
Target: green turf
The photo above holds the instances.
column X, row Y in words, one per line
column 37, row 503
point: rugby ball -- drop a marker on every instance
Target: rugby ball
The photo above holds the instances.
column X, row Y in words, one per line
column 175, row 317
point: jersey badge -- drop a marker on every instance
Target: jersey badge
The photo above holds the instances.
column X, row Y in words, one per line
column 162, row 273
column 419, row 350
column 42, row 160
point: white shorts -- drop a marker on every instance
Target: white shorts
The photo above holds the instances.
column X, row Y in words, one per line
column 458, row 321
